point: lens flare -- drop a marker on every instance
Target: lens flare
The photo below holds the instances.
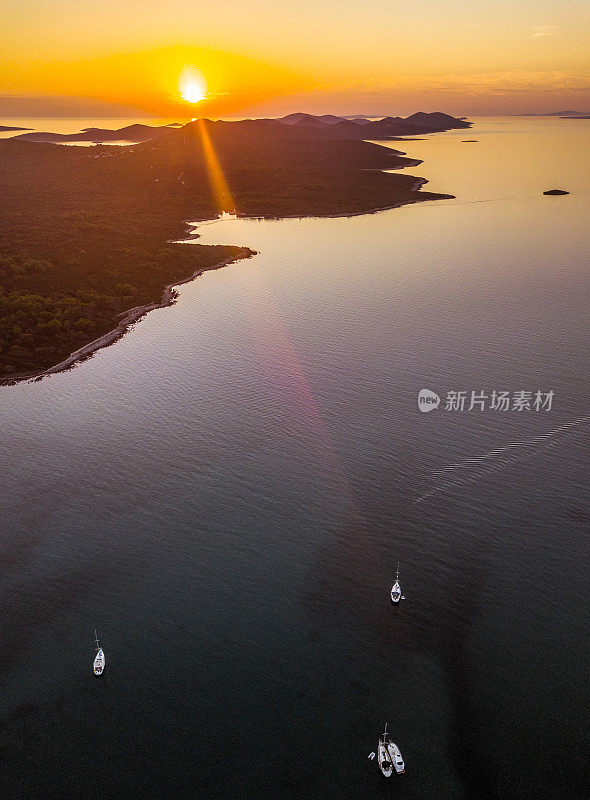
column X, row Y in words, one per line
column 192, row 86
column 219, row 185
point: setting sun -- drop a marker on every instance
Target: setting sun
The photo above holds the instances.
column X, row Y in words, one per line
column 192, row 86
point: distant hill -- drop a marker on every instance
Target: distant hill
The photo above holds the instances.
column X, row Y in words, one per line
column 10, row 128
column 387, row 127
column 349, row 128
column 130, row 133
column 390, row 126
column 316, row 121
column 330, row 119
column 437, row 120
column 569, row 114
column 301, row 119
column 310, row 126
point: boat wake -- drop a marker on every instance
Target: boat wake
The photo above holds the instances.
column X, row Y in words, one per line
column 467, row 470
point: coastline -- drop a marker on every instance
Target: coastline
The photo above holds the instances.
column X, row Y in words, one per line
column 130, row 317
column 361, row 202
column 425, row 197
column 133, row 315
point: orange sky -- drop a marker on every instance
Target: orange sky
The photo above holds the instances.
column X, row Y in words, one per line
column 258, row 57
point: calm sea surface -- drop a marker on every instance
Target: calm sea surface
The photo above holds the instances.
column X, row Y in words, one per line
column 225, row 493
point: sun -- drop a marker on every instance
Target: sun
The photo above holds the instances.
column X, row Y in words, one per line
column 192, row 86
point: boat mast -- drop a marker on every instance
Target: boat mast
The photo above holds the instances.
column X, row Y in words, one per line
column 96, row 640
column 385, row 732
column 397, row 573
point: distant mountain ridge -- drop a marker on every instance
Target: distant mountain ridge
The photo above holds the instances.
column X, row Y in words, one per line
column 569, row 114
column 308, row 125
column 4, row 128
column 130, row 133
column 420, row 122
column 299, row 118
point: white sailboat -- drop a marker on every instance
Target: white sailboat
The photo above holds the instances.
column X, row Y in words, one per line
column 396, row 589
column 383, row 757
column 99, row 660
column 396, row 757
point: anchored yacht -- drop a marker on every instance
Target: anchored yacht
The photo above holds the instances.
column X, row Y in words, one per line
column 396, row 757
column 383, row 756
column 99, row 661
column 396, row 589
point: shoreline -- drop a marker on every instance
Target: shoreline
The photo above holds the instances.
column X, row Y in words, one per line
column 190, row 235
column 376, row 210
column 130, row 317
column 416, row 186
column 133, row 315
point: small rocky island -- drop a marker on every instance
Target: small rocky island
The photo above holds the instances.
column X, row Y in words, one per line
column 556, row 191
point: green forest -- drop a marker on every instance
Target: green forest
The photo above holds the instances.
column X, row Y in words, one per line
column 57, row 296
column 73, row 259
column 85, row 231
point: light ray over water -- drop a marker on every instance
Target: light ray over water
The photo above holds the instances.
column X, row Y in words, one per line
column 278, row 352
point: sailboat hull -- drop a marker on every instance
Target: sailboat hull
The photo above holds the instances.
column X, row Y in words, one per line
column 396, row 757
column 384, row 761
column 99, row 663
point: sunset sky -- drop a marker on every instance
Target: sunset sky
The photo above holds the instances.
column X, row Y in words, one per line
column 263, row 57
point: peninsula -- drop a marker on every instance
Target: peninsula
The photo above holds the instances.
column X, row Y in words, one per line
column 85, row 232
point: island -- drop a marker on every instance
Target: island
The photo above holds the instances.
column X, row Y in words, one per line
column 86, row 233
column 568, row 114
column 130, row 133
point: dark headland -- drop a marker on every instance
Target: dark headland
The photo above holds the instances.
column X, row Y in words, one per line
column 5, row 128
column 130, row 133
column 85, row 231
column 568, row 114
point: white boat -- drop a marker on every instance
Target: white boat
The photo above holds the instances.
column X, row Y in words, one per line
column 396, row 589
column 383, row 757
column 99, row 661
column 396, row 757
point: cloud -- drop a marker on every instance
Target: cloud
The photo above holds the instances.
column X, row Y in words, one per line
column 512, row 81
column 543, row 30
